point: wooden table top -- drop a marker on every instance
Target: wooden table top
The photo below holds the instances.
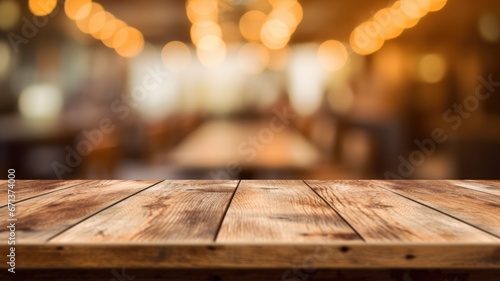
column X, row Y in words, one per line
column 214, row 144
column 255, row 224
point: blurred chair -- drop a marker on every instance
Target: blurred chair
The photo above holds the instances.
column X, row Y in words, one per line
column 102, row 161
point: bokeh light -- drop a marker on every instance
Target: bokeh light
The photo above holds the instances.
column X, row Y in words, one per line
column 42, row 7
column 275, row 34
column 306, row 80
column 391, row 22
column 201, row 29
column 332, row 55
column 85, row 14
column 10, row 13
column 437, row 5
column 364, row 40
column 284, row 16
column 5, row 59
column 40, row 102
column 489, row 27
column 97, row 22
column 202, row 10
column 253, row 58
column 109, row 30
column 414, row 8
column 71, row 7
column 128, row 42
column 251, row 24
column 431, row 68
column 176, row 56
column 211, row 51
column 297, row 11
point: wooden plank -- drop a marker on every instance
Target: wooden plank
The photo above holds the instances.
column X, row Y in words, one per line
column 173, row 211
column 487, row 182
column 40, row 218
column 26, row 189
column 281, row 212
column 252, row 256
column 483, row 186
column 476, row 208
column 379, row 215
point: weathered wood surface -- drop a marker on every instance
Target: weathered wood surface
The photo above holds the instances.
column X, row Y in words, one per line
column 282, row 212
column 236, row 255
column 382, row 216
column 40, row 218
column 476, row 208
column 257, row 224
column 26, row 189
column 170, row 212
column 484, row 186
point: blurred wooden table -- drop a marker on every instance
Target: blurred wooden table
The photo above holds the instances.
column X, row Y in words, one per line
column 255, row 224
column 217, row 144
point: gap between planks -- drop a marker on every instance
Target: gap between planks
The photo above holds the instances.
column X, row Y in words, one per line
column 385, row 218
column 423, row 203
column 90, row 216
column 340, row 215
column 225, row 211
column 44, row 193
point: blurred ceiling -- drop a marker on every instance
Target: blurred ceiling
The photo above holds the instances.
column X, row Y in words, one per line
column 162, row 21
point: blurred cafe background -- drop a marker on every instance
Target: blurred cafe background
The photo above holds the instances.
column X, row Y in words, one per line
column 253, row 89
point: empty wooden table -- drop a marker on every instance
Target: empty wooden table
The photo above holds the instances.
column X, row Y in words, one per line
column 254, row 224
column 258, row 145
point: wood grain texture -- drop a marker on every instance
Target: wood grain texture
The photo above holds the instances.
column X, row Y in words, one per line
column 482, row 186
column 42, row 217
column 379, row 215
column 173, row 211
column 281, row 212
column 495, row 183
column 264, row 224
column 476, row 208
column 333, row 255
column 26, row 189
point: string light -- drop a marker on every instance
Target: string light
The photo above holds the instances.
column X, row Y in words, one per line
column 250, row 25
column 91, row 18
column 332, row 55
column 389, row 23
column 42, row 7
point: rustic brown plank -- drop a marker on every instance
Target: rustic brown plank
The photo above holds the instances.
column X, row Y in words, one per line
column 42, row 217
column 487, row 182
column 26, row 189
column 168, row 212
column 281, row 212
column 332, row 255
column 484, row 186
column 476, row 208
column 266, row 212
column 379, row 215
